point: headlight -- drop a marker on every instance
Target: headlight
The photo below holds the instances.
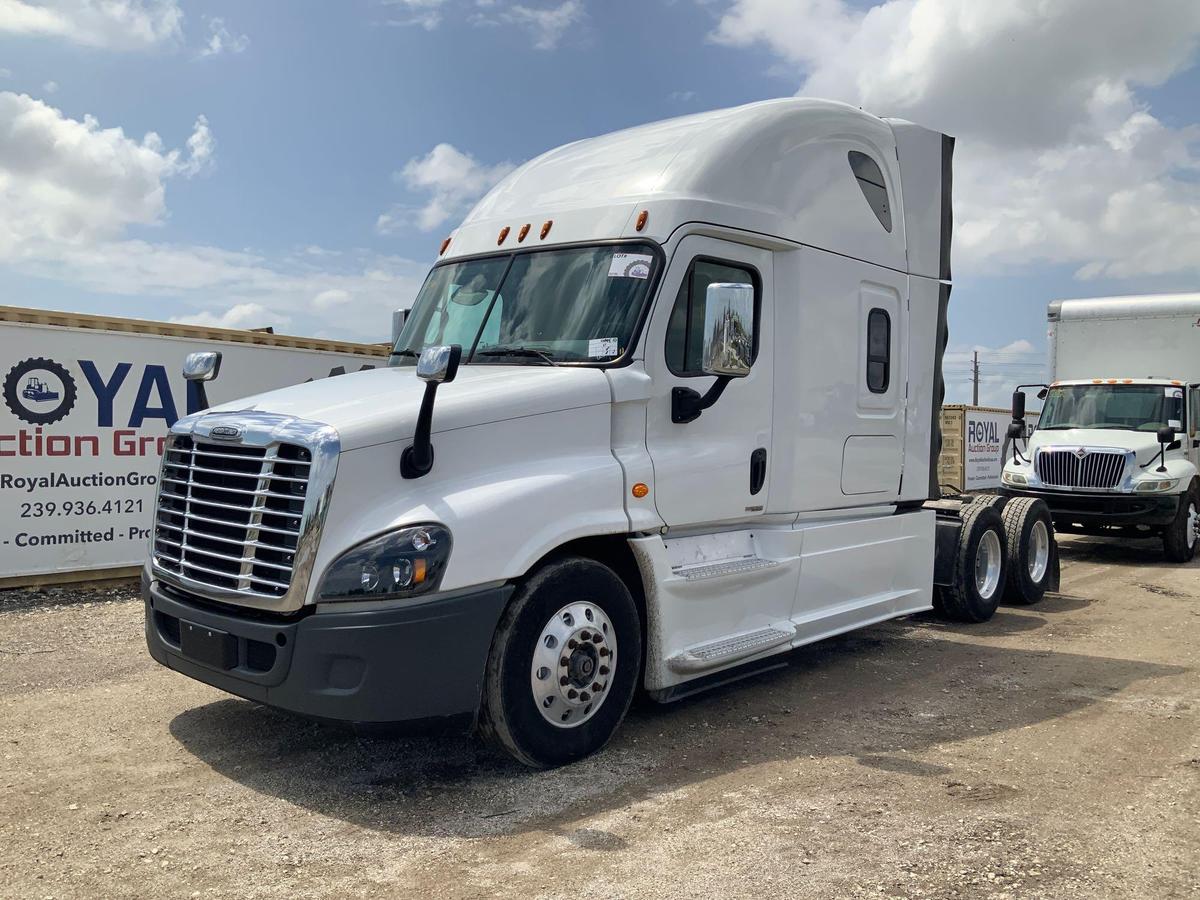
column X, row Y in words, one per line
column 1156, row 485
column 405, row 563
column 1013, row 478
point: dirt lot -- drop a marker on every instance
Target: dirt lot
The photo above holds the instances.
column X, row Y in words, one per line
column 1052, row 752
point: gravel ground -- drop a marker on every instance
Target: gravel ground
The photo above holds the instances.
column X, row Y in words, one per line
column 1053, row 752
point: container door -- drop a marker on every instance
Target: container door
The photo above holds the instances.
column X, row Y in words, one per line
column 715, row 468
column 1192, row 444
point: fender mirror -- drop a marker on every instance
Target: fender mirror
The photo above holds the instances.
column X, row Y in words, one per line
column 199, row 368
column 1016, row 431
column 436, row 365
column 1166, row 437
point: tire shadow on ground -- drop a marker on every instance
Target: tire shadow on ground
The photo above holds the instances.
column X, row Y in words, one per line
column 868, row 695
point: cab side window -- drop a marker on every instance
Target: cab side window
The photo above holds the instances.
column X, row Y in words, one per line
column 685, row 330
column 879, row 351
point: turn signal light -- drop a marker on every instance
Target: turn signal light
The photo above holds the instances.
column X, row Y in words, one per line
column 640, row 490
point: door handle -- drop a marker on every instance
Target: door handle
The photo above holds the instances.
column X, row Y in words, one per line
column 758, row 470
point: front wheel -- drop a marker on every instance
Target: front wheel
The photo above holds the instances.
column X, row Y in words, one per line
column 1179, row 539
column 563, row 665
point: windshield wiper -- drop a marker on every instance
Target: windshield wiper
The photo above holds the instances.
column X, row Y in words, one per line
column 413, row 353
column 523, row 352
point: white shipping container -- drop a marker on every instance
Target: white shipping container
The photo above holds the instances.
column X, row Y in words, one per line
column 87, row 401
column 974, row 443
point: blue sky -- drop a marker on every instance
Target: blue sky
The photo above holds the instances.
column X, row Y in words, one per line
column 294, row 180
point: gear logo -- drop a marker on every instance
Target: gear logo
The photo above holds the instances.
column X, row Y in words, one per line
column 39, row 391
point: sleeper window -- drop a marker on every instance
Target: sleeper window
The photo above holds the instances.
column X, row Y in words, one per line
column 879, row 351
column 870, row 182
column 685, row 331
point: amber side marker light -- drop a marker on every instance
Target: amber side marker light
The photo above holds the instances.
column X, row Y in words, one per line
column 503, row 235
column 546, row 226
column 524, row 231
column 640, row 490
column 641, row 219
column 445, row 246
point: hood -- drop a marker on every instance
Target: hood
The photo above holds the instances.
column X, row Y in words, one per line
column 1144, row 443
column 381, row 405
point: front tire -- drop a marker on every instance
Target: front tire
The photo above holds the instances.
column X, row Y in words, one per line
column 563, row 665
column 1180, row 537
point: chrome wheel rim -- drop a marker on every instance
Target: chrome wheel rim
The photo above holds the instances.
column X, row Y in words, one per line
column 573, row 665
column 1193, row 525
column 1039, row 551
column 987, row 564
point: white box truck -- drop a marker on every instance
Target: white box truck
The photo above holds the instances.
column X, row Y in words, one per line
column 665, row 408
column 1118, row 443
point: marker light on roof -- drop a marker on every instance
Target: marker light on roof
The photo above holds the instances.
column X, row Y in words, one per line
column 641, row 219
column 503, row 235
column 546, row 226
column 445, row 246
column 524, row 231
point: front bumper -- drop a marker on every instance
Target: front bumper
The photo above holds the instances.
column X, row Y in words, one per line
column 423, row 662
column 1104, row 510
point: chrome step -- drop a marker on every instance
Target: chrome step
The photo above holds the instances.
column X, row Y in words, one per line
column 727, row 650
column 723, row 568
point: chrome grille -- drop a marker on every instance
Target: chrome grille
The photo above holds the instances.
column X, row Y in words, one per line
column 1068, row 468
column 230, row 516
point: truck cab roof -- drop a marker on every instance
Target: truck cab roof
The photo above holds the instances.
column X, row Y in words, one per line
column 789, row 170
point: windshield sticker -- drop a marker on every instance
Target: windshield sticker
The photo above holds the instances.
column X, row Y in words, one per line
column 630, row 265
column 601, row 347
column 1173, row 393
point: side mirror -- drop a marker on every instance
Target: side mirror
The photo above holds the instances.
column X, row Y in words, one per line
column 1166, row 435
column 439, row 364
column 202, row 366
column 728, row 330
column 436, row 365
column 1018, row 406
column 1016, row 431
column 199, row 368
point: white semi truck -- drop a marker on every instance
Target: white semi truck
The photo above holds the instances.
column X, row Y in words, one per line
column 665, row 408
column 1118, row 444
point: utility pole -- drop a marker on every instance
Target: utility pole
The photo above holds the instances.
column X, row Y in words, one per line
column 975, row 380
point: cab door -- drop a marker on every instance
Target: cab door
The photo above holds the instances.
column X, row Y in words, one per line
column 715, row 468
column 1192, row 444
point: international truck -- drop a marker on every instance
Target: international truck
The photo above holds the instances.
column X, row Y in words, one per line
column 664, row 409
column 1117, row 446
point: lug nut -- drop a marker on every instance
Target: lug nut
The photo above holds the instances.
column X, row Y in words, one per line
column 585, row 697
column 564, row 681
column 597, row 638
column 596, row 686
column 604, row 651
column 564, row 661
column 572, row 694
column 585, row 635
column 572, row 644
column 604, row 670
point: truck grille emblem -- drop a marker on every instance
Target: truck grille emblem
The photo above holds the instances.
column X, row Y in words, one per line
column 1079, row 454
column 226, row 432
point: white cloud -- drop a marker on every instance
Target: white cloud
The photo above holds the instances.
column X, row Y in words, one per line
column 454, row 180
column 50, row 87
column 240, row 315
column 110, row 24
column 331, row 298
column 71, row 192
column 548, row 25
column 222, row 40
column 425, row 13
column 5, row 73
column 1058, row 160
column 681, row 96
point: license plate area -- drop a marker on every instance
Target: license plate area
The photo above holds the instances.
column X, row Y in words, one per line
column 210, row 646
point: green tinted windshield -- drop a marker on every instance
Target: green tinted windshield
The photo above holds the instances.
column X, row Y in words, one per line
column 1131, row 407
column 575, row 305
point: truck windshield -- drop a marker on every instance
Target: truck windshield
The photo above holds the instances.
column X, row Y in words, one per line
column 1130, row 407
column 572, row 305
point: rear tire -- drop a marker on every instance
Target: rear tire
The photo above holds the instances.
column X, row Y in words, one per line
column 1180, row 538
column 979, row 566
column 549, row 697
column 1029, row 533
